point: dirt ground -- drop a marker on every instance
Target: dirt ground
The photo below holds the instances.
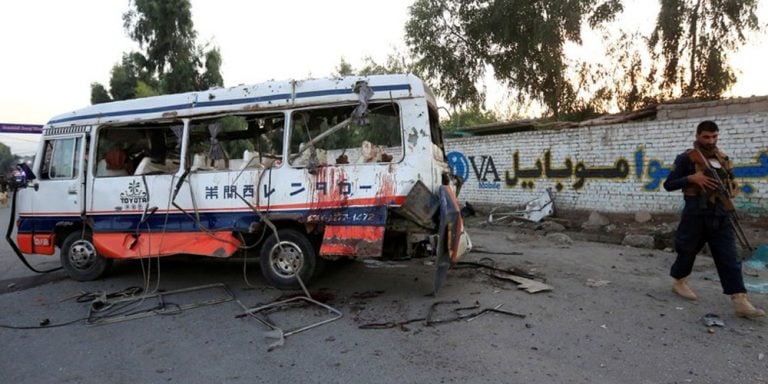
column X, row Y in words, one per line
column 609, row 318
column 660, row 226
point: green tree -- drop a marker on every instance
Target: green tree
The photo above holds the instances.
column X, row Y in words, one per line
column 211, row 77
column 396, row 62
column 468, row 117
column 455, row 41
column 164, row 28
column 145, row 90
column 692, row 40
column 124, row 79
column 630, row 85
column 171, row 60
column 7, row 159
column 99, row 94
column 343, row 69
column 620, row 82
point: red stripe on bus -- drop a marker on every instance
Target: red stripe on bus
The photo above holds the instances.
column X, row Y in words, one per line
column 131, row 246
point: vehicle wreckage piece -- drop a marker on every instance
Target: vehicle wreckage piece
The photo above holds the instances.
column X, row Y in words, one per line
column 105, row 311
column 452, row 240
column 524, row 280
column 439, row 211
column 420, row 206
column 461, row 314
column 534, row 210
column 528, row 285
column 329, row 162
column 278, row 333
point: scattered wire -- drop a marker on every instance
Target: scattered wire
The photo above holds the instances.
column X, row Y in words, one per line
column 93, row 297
column 490, row 264
column 43, row 325
column 460, row 314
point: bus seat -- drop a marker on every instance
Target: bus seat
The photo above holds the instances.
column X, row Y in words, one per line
column 147, row 166
column 250, row 160
column 200, row 162
column 369, row 153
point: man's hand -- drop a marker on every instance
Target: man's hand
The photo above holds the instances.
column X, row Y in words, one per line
column 703, row 181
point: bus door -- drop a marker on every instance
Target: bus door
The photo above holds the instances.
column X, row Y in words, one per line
column 58, row 192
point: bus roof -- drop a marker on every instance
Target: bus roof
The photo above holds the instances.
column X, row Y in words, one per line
column 246, row 98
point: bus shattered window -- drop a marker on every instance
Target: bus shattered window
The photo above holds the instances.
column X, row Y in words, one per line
column 236, row 142
column 143, row 149
column 332, row 138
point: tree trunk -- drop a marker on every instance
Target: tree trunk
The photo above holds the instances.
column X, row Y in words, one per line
column 694, row 49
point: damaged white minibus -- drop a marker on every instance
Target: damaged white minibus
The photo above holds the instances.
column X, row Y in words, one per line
column 298, row 171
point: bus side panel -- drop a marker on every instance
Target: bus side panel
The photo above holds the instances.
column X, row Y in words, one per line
column 36, row 234
column 133, row 246
column 38, row 243
column 353, row 241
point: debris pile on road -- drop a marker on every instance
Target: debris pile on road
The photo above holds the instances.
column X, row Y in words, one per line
column 525, row 281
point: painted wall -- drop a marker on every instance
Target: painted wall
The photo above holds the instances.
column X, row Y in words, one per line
column 615, row 168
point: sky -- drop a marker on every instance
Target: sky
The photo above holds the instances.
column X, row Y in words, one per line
column 53, row 50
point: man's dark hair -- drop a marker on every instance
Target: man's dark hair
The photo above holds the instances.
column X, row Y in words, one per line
column 707, row 125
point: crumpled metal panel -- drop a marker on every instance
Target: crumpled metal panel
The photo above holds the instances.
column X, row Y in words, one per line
column 420, row 206
column 353, row 241
column 131, row 246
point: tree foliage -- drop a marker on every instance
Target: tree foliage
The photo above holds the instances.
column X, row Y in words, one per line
column 164, row 28
column 692, row 40
column 522, row 41
column 7, row 159
column 468, row 117
column 343, row 69
column 631, row 88
column 621, row 82
column 99, row 94
column 396, row 62
column 171, row 60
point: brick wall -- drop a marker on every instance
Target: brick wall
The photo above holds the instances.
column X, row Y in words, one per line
column 614, row 168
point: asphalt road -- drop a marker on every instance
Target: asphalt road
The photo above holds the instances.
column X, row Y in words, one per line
column 12, row 270
column 610, row 318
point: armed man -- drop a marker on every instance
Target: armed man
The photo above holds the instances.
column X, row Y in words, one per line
column 705, row 176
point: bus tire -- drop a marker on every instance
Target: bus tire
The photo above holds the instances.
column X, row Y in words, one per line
column 279, row 266
column 80, row 259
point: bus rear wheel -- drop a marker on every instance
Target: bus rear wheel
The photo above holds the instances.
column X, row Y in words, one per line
column 80, row 259
column 281, row 261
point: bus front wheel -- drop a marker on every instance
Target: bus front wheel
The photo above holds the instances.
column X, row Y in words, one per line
column 80, row 259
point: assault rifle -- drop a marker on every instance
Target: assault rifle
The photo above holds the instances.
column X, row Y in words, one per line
column 725, row 197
